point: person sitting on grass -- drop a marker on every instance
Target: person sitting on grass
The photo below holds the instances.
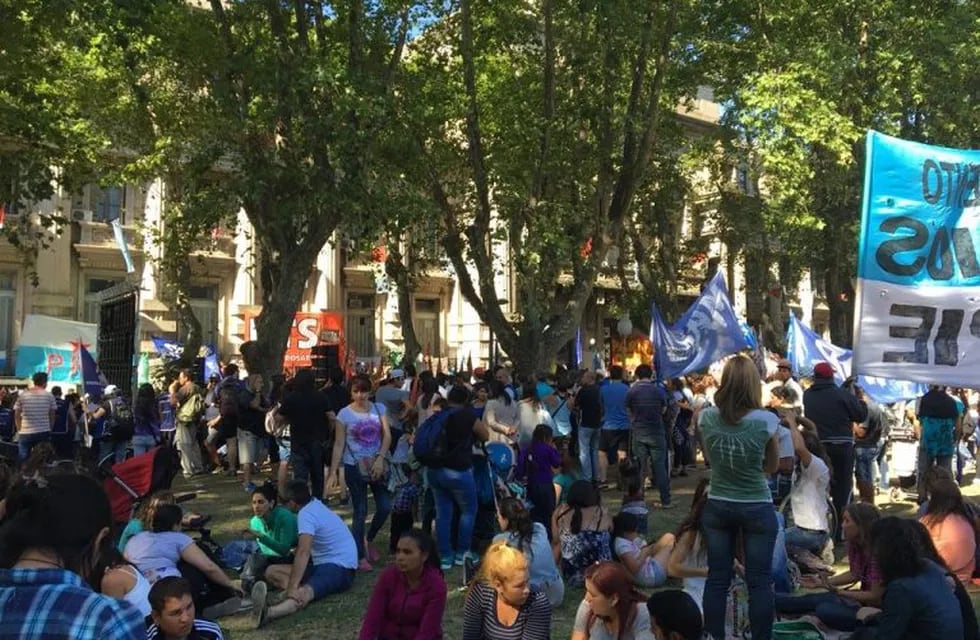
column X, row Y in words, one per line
column 646, row 563
column 675, row 616
column 500, row 604
column 612, row 608
column 581, row 532
column 325, row 561
column 952, row 528
column 689, row 557
column 50, row 541
column 172, row 611
column 409, row 598
column 520, row 532
column 273, row 526
column 838, row 607
column 631, row 475
column 165, row 551
column 919, row 600
column 144, row 518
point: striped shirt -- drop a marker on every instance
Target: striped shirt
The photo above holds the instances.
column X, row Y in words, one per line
column 35, row 406
column 202, row 630
column 44, row 604
column 480, row 620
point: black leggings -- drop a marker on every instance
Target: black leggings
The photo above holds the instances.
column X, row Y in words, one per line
column 204, row 592
column 542, row 497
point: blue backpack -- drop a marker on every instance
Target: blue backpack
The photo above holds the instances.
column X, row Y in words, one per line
column 431, row 446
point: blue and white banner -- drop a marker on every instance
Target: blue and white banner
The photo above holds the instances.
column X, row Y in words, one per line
column 117, row 231
column 918, row 306
column 172, row 350
column 53, row 345
column 806, row 348
column 708, row 331
column 93, row 382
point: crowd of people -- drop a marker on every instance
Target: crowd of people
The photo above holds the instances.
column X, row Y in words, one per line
column 419, row 453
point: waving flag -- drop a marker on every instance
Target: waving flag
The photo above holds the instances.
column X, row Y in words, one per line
column 93, row 384
column 708, row 331
column 806, row 348
column 578, row 348
column 120, row 236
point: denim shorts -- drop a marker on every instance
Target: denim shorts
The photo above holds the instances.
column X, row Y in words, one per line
column 284, row 449
column 864, row 459
column 248, row 447
column 326, row 579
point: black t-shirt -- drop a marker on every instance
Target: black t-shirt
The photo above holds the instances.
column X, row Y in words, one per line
column 873, row 426
column 338, row 396
column 306, row 412
column 938, row 404
column 589, row 403
column 459, row 439
column 251, row 420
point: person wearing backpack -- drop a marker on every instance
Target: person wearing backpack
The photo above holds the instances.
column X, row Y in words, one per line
column 443, row 444
column 119, row 425
column 188, row 404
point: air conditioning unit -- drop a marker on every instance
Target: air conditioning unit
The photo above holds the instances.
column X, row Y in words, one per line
column 81, row 215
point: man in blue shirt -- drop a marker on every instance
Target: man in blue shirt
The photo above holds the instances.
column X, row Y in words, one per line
column 646, row 402
column 614, row 436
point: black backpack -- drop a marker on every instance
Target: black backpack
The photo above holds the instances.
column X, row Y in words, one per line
column 119, row 424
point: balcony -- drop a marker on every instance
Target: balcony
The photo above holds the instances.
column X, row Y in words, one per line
column 217, row 254
column 95, row 244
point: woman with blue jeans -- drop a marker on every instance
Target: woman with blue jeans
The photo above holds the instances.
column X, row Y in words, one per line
column 361, row 442
column 741, row 445
column 452, row 482
column 146, row 418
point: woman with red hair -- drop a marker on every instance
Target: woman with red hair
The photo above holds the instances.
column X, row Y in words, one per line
column 612, row 609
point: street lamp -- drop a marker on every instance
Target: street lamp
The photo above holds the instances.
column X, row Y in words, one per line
column 624, row 328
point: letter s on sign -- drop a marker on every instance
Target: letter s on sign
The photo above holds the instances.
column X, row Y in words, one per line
column 307, row 329
column 887, row 250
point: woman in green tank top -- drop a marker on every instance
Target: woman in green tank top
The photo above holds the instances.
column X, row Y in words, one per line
column 740, row 443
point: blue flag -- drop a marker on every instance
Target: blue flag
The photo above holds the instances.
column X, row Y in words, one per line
column 120, row 236
column 806, row 348
column 92, row 381
column 707, row 332
column 172, row 350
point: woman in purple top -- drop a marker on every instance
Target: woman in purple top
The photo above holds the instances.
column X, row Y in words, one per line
column 539, row 462
column 409, row 598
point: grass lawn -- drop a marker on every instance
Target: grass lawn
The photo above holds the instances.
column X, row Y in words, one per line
column 340, row 616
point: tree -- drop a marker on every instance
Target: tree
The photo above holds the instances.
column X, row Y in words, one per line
column 301, row 91
column 805, row 81
column 538, row 127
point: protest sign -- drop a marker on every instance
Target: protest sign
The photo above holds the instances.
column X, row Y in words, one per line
column 918, row 306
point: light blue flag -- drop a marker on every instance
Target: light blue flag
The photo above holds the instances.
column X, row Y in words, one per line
column 578, row 348
column 806, row 348
column 707, row 332
column 117, row 231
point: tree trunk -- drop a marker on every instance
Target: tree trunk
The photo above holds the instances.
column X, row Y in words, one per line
column 399, row 272
column 284, row 276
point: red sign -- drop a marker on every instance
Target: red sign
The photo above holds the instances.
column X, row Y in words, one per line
column 308, row 330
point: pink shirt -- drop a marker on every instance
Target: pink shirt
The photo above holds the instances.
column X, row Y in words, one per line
column 396, row 612
column 956, row 543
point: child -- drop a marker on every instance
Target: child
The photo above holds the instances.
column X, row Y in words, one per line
column 538, row 464
column 647, row 563
column 570, row 471
column 632, row 478
column 403, row 483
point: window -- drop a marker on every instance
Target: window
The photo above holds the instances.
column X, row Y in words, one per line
column 8, row 298
column 360, row 324
column 427, row 326
column 93, row 286
column 109, row 203
column 204, row 303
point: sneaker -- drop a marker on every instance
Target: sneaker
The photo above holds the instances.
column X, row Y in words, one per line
column 460, row 559
column 259, row 596
column 229, row 607
column 364, row 565
column 827, row 553
column 446, row 566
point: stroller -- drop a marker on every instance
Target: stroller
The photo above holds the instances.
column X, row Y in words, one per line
column 904, row 456
column 132, row 481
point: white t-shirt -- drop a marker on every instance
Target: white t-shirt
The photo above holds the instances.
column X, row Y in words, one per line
column 786, row 449
column 156, row 554
column 647, row 575
column 332, row 540
column 809, row 497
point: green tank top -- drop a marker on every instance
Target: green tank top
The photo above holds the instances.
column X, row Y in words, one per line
column 737, row 454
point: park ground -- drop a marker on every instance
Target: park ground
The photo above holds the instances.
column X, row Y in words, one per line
column 339, row 617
